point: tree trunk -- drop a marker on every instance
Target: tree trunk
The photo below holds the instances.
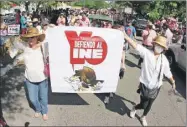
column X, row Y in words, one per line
column 27, row 6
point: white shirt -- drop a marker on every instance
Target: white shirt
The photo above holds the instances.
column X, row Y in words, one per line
column 33, row 60
column 169, row 36
column 39, row 29
column 151, row 68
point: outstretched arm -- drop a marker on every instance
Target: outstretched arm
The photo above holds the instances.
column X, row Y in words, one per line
column 130, row 41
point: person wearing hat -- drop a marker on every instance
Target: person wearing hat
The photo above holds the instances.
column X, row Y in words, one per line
column 44, row 26
column 37, row 25
column 155, row 67
column 35, row 80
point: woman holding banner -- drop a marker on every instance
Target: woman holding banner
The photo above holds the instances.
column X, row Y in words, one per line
column 35, row 80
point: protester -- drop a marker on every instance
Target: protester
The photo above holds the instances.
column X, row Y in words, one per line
column 131, row 32
column 35, row 81
column 149, row 34
column 154, row 67
column 122, row 69
column 37, row 25
column 44, row 27
column 84, row 21
column 61, row 20
column 18, row 16
column 168, row 34
column 23, row 23
column 29, row 18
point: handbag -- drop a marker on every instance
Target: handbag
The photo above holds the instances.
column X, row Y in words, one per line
column 46, row 64
column 150, row 93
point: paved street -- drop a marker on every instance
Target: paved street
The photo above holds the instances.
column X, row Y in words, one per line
column 89, row 110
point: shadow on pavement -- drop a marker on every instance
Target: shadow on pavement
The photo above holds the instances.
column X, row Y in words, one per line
column 26, row 124
column 65, row 98
column 6, row 59
column 116, row 104
column 180, row 80
column 135, row 55
column 11, row 98
column 131, row 64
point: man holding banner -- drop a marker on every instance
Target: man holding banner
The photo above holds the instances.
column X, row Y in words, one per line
column 122, row 69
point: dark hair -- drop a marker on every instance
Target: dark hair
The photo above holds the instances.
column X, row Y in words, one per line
column 116, row 26
column 23, row 13
column 150, row 26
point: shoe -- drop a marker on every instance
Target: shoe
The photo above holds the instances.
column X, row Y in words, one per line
column 133, row 113
column 45, row 117
column 106, row 101
column 36, row 115
column 143, row 120
column 111, row 95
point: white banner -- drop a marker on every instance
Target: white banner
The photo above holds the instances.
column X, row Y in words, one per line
column 13, row 29
column 84, row 59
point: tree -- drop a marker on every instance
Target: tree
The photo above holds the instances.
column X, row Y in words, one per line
column 27, row 3
column 91, row 4
column 157, row 8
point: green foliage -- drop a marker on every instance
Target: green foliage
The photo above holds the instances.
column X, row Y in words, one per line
column 156, row 9
column 97, row 4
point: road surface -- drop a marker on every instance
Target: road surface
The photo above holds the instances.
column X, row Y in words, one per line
column 89, row 110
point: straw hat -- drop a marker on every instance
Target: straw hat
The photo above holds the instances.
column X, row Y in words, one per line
column 35, row 20
column 33, row 32
column 162, row 41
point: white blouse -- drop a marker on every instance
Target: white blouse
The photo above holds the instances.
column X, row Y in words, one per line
column 151, row 68
column 33, row 60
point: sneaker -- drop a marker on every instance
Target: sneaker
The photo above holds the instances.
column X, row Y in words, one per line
column 106, row 101
column 133, row 113
column 111, row 95
column 143, row 120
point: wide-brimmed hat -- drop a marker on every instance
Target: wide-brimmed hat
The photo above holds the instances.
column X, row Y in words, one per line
column 33, row 32
column 162, row 41
column 35, row 20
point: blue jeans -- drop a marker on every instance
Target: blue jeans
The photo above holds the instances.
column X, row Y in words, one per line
column 38, row 95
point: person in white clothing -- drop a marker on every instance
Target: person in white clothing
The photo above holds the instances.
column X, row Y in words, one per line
column 36, row 81
column 37, row 25
column 168, row 35
column 155, row 66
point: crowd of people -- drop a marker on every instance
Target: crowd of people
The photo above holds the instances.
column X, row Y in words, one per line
column 154, row 63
